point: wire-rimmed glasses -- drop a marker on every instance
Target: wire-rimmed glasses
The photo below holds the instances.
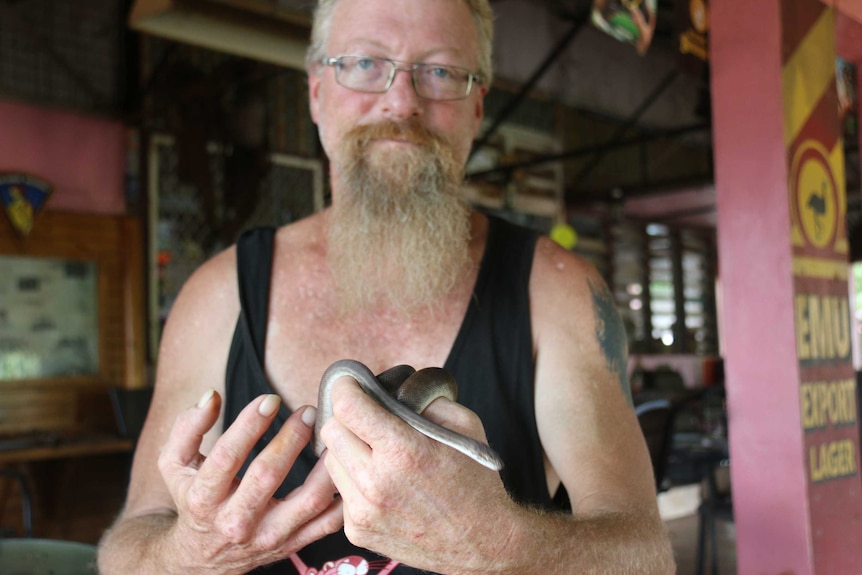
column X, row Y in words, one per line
column 430, row 81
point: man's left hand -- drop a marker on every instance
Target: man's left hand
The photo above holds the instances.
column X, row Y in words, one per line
column 412, row 498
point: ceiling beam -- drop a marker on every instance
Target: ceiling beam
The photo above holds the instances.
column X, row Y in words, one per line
column 576, row 197
column 577, row 25
column 506, row 170
column 632, row 121
column 225, row 27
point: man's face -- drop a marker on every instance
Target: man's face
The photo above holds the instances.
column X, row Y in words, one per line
column 435, row 31
column 399, row 229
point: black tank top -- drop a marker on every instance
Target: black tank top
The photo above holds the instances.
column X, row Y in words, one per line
column 491, row 359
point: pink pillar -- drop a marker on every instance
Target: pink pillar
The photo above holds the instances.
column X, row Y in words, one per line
column 795, row 469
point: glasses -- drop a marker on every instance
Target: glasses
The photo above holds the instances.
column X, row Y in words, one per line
column 430, row 81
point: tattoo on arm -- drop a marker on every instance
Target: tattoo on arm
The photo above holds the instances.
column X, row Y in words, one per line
column 611, row 334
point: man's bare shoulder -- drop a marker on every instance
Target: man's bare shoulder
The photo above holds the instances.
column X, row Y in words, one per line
column 301, row 233
column 211, row 284
column 565, row 277
column 573, row 309
column 215, row 281
column 199, row 330
column 572, row 305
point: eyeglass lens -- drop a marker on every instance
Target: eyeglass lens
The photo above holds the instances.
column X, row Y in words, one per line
column 431, row 81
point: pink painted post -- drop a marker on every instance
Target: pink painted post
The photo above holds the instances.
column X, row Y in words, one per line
column 761, row 372
column 795, row 475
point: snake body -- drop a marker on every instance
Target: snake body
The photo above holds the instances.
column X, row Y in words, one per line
column 414, row 390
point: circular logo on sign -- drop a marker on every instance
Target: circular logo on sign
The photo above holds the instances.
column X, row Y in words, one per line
column 815, row 193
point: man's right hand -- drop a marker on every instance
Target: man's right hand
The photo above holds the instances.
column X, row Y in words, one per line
column 230, row 525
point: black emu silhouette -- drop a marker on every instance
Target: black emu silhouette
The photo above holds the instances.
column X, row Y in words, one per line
column 817, row 204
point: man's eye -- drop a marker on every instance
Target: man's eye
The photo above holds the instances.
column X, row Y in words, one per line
column 441, row 73
column 365, row 63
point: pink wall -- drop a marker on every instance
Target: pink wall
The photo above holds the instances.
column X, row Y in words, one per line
column 700, row 199
column 761, row 370
column 849, row 8
column 690, row 367
column 848, row 37
column 82, row 157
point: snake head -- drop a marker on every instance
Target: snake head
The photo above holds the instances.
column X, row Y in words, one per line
column 424, row 386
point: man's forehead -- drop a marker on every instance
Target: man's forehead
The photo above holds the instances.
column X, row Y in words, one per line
column 378, row 47
column 439, row 26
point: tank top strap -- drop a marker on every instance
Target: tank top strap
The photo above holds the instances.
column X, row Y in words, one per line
column 502, row 285
column 254, row 251
column 245, row 376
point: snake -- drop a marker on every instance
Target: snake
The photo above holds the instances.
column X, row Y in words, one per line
column 404, row 392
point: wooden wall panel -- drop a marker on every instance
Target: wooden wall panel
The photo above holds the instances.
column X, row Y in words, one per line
column 73, row 499
column 67, row 404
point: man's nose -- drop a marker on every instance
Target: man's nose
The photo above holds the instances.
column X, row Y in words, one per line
column 401, row 100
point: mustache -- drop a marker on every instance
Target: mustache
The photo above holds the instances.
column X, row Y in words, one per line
column 409, row 131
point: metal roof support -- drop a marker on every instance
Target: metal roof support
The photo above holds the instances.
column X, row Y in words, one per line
column 41, row 42
column 591, row 150
column 630, row 123
column 658, row 187
column 510, row 107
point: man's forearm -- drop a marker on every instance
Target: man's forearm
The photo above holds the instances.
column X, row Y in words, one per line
column 137, row 545
column 607, row 544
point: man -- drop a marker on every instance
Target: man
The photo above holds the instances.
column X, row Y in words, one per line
column 396, row 271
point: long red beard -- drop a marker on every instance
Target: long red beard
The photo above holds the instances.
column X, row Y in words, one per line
column 399, row 229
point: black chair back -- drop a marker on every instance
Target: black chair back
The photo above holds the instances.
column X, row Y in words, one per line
column 130, row 409
column 656, row 422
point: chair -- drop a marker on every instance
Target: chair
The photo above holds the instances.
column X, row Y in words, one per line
column 663, row 379
column 656, row 418
column 47, row 557
column 716, row 505
column 26, row 501
column 130, row 409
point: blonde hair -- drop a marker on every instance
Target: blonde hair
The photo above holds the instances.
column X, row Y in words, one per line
column 483, row 18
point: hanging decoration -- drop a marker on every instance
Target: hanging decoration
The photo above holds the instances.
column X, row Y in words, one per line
column 630, row 21
column 564, row 234
column 692, row 24
column 23, row 196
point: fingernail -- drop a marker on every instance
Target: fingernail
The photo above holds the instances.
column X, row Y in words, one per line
column 269, row 405
column 309, row 416
column 205, row 398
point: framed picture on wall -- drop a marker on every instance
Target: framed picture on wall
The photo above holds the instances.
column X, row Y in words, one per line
column 49, row 318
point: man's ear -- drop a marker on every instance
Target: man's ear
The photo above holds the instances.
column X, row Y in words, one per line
column 480, row 110
column 314, row 94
